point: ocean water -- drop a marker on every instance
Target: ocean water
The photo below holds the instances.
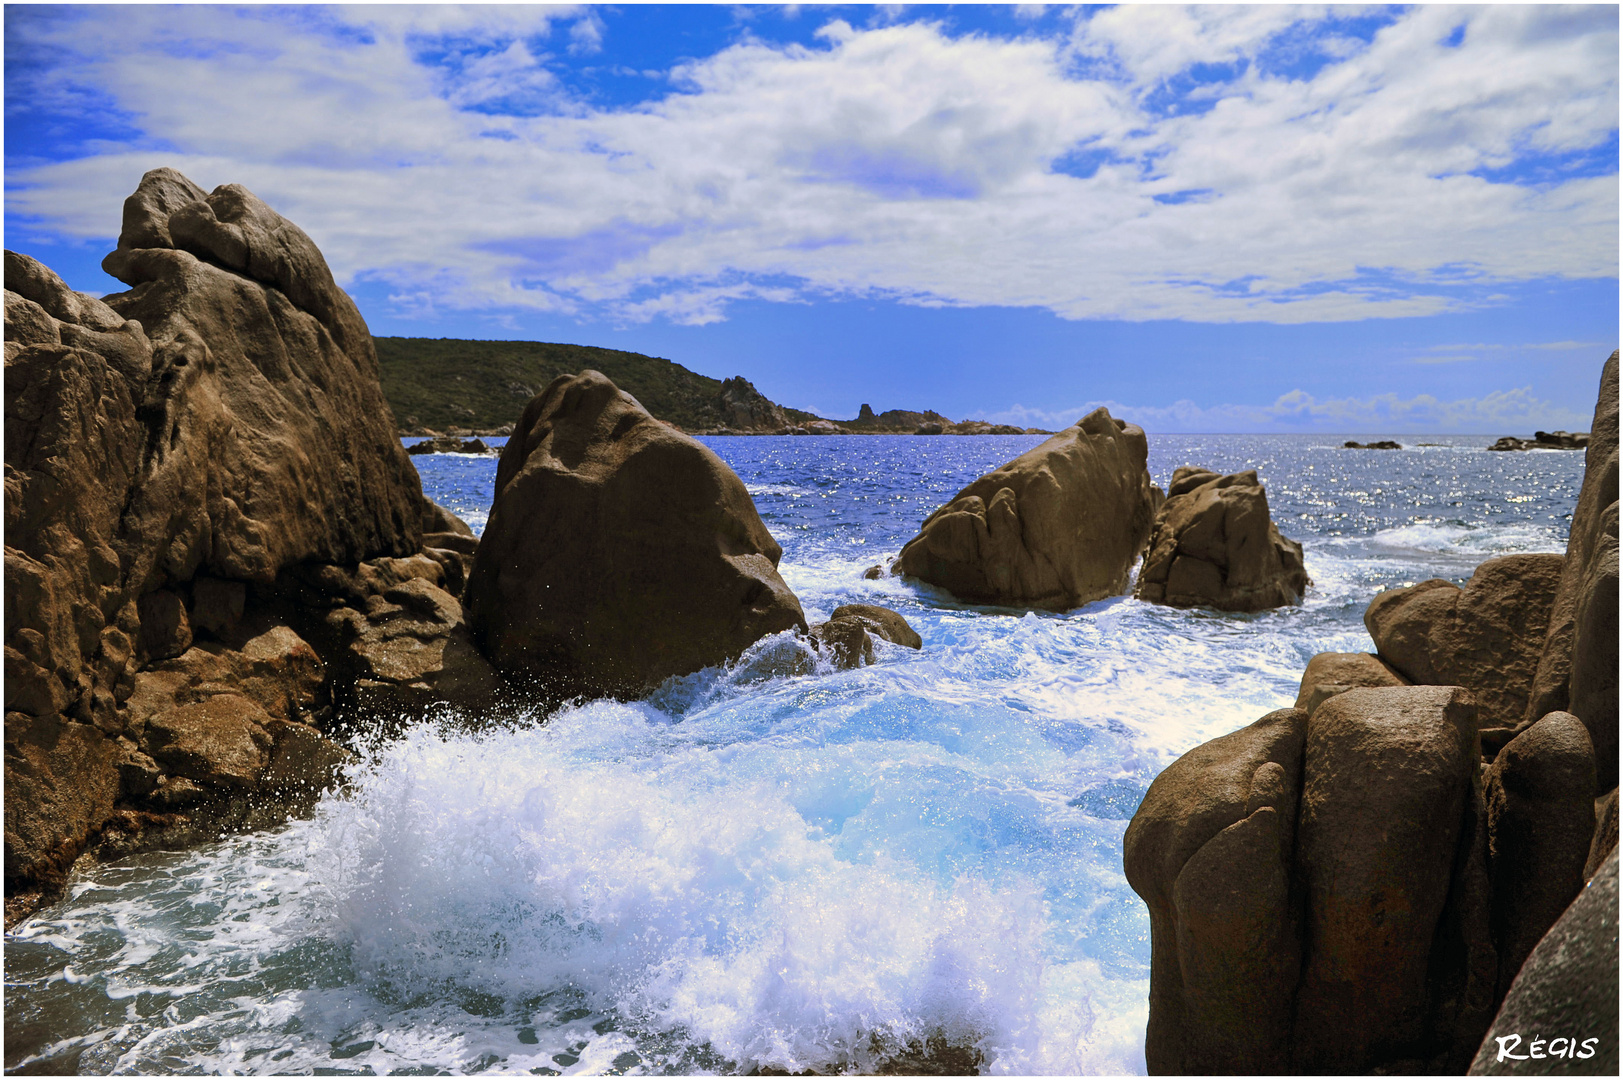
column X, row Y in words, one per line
column 840, row 871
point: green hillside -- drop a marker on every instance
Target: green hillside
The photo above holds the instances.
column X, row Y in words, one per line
column 444, row 383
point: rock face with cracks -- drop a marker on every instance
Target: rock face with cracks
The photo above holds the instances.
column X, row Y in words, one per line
column 1059, row 526
column 619, row 551
column 172, row 453
column 1215, row 545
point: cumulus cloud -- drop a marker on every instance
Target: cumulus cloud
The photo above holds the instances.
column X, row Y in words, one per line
column 439, row 150
column 1493, row 413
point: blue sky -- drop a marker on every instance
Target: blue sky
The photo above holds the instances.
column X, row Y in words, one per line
column 1267, row 218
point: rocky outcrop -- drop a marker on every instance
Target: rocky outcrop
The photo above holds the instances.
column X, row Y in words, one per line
column 1545, row 440
column 1059, row 526
column 1577, row 667
column 1318, row 892
column 1560, row 1016
column 1383, row 444
column 1215, row 545
column 1329, row 674
column 619, row 552
column 171, row 452
column 1541, row 820
column 847, row 637
column 745, row 408
column 450, row 444
column 1485, row 637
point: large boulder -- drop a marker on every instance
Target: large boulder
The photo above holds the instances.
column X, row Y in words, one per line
column 1059, row 526
column 1215, row 545
column 169, row 452
column 1560, row 1016
column 1485, row 637
column 1541, row 822
column 619, row 551
column 1318, row 891
column 1577, row 667
column 1330, row 673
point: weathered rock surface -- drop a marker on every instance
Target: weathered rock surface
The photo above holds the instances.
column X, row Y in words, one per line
column 619, row 552
column 847, row 636
column 1318, row 891
column 170, row 451
column 1577, row 668
column 1541, row 821
column 1605, row 839
column 1484, row 637
column 1215, row 545
column 1565, row 993
column 1329, row 674
column 1059, row 526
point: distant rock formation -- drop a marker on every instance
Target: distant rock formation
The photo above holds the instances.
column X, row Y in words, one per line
column 619, row 552
column 450, row 444
column 1384, row 444
column 173, row 453
column 744, row 408
column 1215, row 545
column 1059, row 526
column 1545, row 440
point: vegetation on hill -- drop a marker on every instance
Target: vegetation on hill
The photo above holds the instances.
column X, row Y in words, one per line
column 440, row 384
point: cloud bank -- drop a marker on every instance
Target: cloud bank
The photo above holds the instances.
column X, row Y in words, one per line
column 1273, row 164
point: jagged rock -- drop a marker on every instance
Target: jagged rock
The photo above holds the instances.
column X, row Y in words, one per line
column 167, row 448
column 1485, row 637
column 1566, row 991
column 1541, row 820
column 618, row 552
column 745, row 408
column 1329, row 674
column 1215, row 545
column 1318, row 891
column 217, row 742
column 1057, row 527
column 1577, row 668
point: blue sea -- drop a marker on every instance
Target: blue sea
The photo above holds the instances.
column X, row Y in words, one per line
column 757, row 872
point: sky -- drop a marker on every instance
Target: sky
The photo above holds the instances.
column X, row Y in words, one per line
column 1257, row 218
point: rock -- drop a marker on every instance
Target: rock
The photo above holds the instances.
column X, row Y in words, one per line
column 1329, row 674
column 1214, row 545
column 302, row 761
column 845, row 641
column 1605, row 839
column 450, row 444
column 1384, row 444
column 437, row 520
column 167, row 448
column 1387, row 777
column 1545, row 440
column 1318, row 892
column 220, row 741
column 881, row 622
column 873, row 573
column 1485, row 637
column 1059, row 526
column 823, row 427
column 1566, row 993
column 1577, row 668
column 1541, row 819
column 619, row 552
column 1222, row 973
column 929, row 427
column 743, row 407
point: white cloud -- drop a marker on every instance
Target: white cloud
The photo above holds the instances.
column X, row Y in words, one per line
column 1500, row 412
column 896, row 161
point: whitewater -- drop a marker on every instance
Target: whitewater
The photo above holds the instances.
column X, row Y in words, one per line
column 908, row 866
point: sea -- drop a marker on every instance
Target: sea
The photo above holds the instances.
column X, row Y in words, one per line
column 911, row 866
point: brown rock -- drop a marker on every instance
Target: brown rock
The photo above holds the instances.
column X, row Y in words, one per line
column 165, row 629
column 1329, row 674
column 302, row 760
column 1605, row 839
column 1541, row 819
column 881, row 622
column 220, row 741
column 1387, row 776
column 61, row 780
column 217, row 605
column 1214, row 545
column 1208, row 851
column 619, row 552
column 845, row 641
column 1566, row 990
column 1059, row 526
column 1590, row 574
column 1485, row 637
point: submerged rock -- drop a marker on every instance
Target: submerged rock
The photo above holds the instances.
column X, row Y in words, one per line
column 619, row 552
column 1384, row 444
column 848, row 635
column 1057, row 527
column 1215, row 545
